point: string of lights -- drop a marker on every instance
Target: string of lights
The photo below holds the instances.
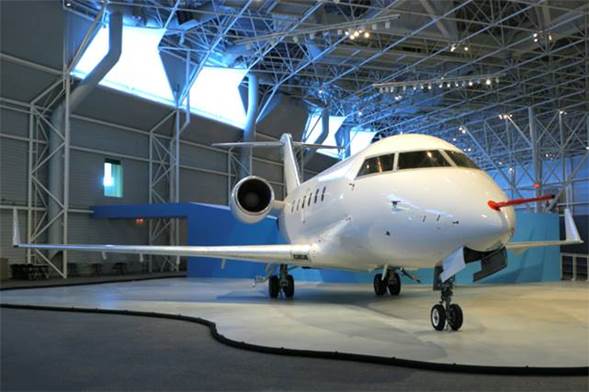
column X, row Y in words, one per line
column 442, row 82
column 352, row 29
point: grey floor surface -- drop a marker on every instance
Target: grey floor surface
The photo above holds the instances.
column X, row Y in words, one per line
column 533, row 324
column 45, row 350
column 77, row 280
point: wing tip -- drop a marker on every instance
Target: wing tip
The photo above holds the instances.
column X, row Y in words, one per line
column 571, row 231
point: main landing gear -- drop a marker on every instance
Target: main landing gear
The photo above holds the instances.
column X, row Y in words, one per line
column 391, row 281
column 283, row 281
column 446, row 311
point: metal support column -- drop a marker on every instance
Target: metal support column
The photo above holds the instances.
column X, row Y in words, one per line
column 249, row 130
column 536, row 160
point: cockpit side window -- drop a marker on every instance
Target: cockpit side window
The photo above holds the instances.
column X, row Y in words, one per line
column 379, row 164
column 461, row 160
column 369, row 166
column 421, row 159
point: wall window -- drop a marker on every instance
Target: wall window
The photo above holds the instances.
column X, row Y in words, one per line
column 313, row 130
column 112, row 180
column 140, row 72
column 360, row 138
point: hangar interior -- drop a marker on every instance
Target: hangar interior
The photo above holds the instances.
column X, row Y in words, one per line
column 506, row 81
column 108, row 115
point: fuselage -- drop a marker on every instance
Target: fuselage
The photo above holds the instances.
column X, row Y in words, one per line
column 405, row 201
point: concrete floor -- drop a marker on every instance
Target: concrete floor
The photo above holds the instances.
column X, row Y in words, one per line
column 59, row 351
column 540, row 325
column 80, row 280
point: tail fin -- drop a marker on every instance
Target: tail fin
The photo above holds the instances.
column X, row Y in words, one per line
column 292, row 179
column 291, row 172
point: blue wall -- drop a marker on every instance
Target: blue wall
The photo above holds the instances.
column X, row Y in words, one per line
column 216, row 226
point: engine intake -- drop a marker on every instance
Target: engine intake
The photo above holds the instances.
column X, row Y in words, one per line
column 251, row 199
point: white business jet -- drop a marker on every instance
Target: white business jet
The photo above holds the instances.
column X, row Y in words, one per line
column 403, row 203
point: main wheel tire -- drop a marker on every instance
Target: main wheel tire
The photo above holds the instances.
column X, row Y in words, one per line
column 380, row 286
column 394, row 284
column 455, row 317
column 273, row 286
column 289, row 288
column 438, row 317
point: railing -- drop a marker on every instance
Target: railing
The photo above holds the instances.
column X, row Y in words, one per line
column 573, row 266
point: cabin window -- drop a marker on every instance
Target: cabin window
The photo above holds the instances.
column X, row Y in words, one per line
column 461, row 160
column 323, row 193
column 292, row 206
column 303, row 204
column 419, row 159
column 310, row 197
column 316, row 195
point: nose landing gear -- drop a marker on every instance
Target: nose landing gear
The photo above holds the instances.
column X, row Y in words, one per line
column 446, row 311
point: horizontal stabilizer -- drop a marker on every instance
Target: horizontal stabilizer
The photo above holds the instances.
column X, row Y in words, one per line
column 572, row 236
column 270, row 145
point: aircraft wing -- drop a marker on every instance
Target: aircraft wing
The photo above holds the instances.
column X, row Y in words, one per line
column 572, row 236
column 291, row 254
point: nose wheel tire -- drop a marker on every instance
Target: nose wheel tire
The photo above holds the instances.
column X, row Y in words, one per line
column 454, row 317
column 380, row 285
column 289, row 288
column 274, row 286
column 394, row 284
column 438, row 317
column 446, row 310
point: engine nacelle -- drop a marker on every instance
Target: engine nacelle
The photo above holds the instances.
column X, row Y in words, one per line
column 251, row 199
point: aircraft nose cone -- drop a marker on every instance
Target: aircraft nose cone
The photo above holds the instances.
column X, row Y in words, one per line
column 490, row 229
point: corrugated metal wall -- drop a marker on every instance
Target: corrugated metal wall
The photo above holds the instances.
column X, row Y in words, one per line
column 109, row 124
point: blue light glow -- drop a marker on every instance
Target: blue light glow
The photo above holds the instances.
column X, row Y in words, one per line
column 215, row 95
column 360, row 139
column 140, row 72
column 313, row 130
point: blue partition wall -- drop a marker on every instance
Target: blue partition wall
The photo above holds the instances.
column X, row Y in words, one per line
column 215, row 225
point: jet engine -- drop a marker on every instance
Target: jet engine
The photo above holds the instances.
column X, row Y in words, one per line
column 252, row 199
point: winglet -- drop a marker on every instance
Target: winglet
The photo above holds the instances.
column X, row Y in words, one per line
column 15, row 229
column 572, row 234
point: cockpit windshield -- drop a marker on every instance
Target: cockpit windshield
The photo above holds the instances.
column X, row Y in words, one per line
column 415, row 160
